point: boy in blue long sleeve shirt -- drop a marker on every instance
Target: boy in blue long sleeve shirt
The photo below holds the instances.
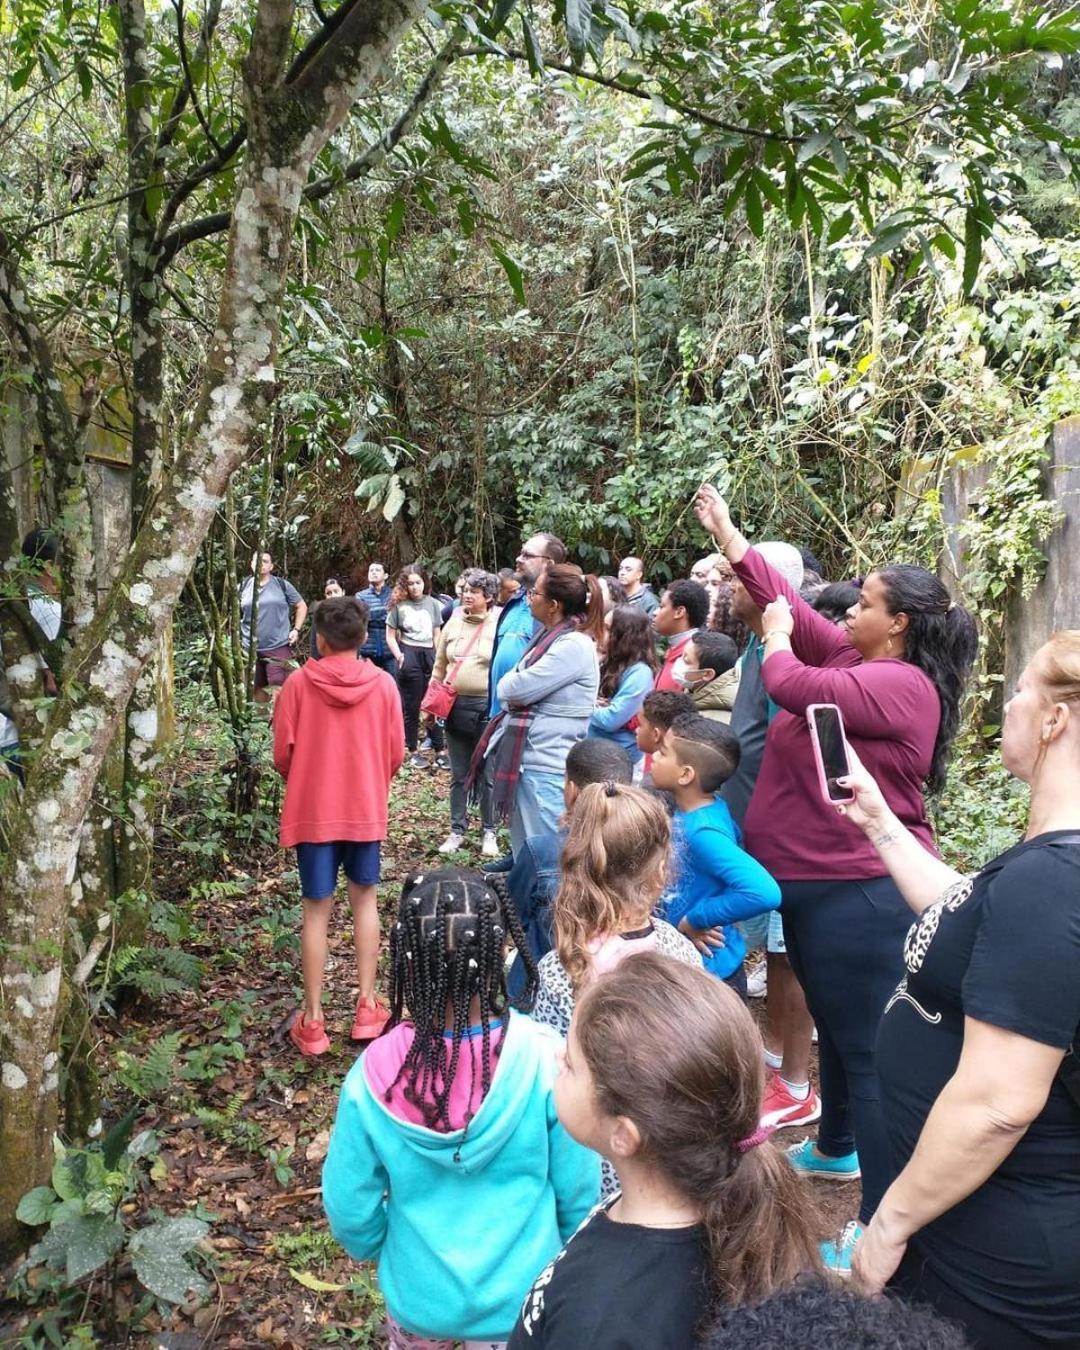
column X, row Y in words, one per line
column 716, row 883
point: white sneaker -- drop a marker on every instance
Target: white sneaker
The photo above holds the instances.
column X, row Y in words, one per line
column 490, row 847
column 757, row 982
column 451, row 843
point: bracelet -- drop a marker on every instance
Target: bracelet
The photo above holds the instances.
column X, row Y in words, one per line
column 775, row 632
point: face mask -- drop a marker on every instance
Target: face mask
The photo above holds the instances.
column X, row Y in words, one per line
column 691, row 679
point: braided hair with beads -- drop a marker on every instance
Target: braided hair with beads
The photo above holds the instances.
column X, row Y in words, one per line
column 446, row 948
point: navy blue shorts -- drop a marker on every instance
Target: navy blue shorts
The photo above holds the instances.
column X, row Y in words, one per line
column 320, row 863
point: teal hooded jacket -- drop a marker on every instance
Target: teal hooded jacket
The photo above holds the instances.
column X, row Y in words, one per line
column 461, row 1223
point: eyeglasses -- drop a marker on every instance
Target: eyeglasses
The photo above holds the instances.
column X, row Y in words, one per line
column 525, row 554
column 534, row 592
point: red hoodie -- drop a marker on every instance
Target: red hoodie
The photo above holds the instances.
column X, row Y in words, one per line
column 339, row 739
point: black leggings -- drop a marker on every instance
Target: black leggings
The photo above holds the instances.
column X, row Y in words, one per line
column 413, row 680
column 845, row 941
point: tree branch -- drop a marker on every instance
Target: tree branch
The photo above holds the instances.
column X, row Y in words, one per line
column 188, row 89
column 608, row 82
column 360, row 167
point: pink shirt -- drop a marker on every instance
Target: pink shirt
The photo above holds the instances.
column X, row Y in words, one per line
column 384, row 1057
column 608, row 952
column 891, row 714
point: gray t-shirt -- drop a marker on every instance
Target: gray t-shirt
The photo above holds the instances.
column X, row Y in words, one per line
column 750, row 717
column 276, row 599
column 416, row 620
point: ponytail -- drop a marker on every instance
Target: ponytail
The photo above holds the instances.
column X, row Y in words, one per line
column 941, row 641
column 757, row 1235
column 611, row 870
column 676, row 1051
column 579, row 595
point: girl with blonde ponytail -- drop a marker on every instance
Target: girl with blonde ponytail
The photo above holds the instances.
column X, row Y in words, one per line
column 612, row 871
column 663, row 1075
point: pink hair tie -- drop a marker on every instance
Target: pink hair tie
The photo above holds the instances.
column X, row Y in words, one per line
column 758, row 1137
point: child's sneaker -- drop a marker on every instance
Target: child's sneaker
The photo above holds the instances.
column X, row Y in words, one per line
column 836, row 1255
column 310, row 1038
column 490, row 846
column 452, row 842
column 781, row 1108
column 371, row 1017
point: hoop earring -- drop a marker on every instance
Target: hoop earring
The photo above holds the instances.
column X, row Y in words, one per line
column 888, row 645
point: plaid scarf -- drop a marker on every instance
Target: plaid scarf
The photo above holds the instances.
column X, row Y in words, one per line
column 514, row 722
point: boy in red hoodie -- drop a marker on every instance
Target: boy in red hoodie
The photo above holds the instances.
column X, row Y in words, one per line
column 339, row 739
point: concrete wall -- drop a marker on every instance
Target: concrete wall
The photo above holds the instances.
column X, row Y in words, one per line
column 1056, row 600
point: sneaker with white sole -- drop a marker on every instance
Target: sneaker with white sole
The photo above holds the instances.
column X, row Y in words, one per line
column 757, row 982
column 451, row 843
column 417, row 761
column 780, row 1108
column 490, row 846
column 836, row 1255
column 806, row 1159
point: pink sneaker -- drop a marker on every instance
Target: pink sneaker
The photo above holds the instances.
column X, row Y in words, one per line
column 780, row 1109
column 371, row 1017
column 310, row 1038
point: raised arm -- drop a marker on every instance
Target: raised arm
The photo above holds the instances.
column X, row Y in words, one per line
column 815, row 639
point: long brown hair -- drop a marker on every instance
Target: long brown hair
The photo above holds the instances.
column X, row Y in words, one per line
column 674, row 1050
column 630, row 640
column 612, row 870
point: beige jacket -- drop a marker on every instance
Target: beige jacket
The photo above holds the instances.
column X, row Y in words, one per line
column 471, row 680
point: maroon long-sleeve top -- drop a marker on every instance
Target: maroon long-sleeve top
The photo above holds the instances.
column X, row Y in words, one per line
column 891, row 713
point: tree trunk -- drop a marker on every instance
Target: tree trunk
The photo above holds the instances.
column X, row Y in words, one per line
column 290, row 118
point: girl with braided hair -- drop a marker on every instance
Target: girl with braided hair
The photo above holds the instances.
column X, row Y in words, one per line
column 447, row 1163
column 663, row 1074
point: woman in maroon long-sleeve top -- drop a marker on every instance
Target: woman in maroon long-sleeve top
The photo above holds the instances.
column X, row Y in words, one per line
column 897, row 671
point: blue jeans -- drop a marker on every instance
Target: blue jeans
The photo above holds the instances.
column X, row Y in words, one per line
column 538, row 804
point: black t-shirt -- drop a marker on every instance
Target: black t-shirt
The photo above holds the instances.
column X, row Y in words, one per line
column 1002, row 947
column 617, row 1286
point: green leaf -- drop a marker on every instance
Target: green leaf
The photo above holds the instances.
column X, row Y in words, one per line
column 88, row 1243
column 578, row 26
column 533, row 52
column 157, row 1253
column 116, row 1140
column 973, row 242
column 36, row 1206
column 755, row 217
column 513, row 272
column 839, row 227
column 395, row 219
column 76, row 1173
column 502, row 11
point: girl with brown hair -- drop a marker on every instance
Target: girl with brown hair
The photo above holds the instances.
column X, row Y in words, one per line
column 663, row 1075
column 627, row 674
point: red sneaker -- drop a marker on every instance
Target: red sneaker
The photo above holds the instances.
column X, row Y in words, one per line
column 371, row 1017
column 780, row 1109
column 310, row 1038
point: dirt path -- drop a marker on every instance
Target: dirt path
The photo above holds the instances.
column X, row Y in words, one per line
column 244, row 1124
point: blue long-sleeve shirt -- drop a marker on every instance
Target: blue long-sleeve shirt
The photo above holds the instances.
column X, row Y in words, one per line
column 513, row 633
column 610, row 722
column 716, row 882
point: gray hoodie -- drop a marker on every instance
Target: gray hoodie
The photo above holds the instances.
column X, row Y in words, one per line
column 561, row 689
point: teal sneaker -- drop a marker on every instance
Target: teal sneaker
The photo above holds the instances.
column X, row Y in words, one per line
column 836, row 1256
column 806, row 1159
